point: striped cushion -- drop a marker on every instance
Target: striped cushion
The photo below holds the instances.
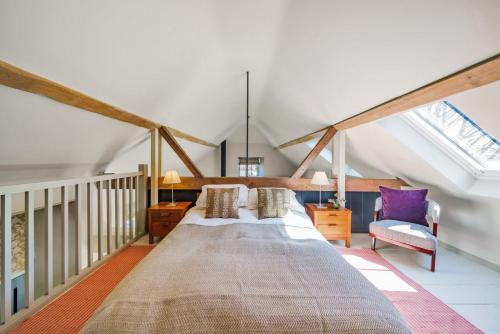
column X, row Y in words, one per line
column 272, row 202
column 222, row 203
column 408, row 233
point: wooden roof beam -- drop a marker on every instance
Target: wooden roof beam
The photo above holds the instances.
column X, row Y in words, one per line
column 302, row 139
column 165, row 133
column 18, row 78
column 307, row 162
column 477, row 75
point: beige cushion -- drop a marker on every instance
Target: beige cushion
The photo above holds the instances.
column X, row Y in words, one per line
column 408, row 233
column 273, row 202
column 222, row 203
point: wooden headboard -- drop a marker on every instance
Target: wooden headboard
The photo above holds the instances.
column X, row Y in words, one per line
column 300, row 184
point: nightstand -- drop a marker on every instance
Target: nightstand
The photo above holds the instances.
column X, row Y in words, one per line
column 334, row 224
column 162, row 218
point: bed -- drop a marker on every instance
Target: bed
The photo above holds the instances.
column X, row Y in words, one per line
column 245, row 275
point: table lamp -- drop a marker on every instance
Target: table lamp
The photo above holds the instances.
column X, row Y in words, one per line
column 171, row 177
column 320, row 179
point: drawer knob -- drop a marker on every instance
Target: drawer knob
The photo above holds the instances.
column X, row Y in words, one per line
column 332, row 224
column 165, row 214
column 333, row 214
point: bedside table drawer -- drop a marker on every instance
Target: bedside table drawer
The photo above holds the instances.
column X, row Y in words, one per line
column 173, row 216
column 332, row 229
column 327, row 218
column 162, row 228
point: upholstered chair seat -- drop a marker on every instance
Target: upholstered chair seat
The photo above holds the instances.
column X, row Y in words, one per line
column 408, row 233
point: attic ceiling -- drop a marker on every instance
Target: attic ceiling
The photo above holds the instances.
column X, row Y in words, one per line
column 183, row 63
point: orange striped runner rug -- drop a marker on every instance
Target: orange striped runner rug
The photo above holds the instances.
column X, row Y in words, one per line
column 69, row 312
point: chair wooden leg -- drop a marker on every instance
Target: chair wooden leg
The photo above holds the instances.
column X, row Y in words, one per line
column 374, row 241
column 433, row 262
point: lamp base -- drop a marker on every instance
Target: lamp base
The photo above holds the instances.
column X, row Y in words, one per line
column 172, row 204
column 321, row 206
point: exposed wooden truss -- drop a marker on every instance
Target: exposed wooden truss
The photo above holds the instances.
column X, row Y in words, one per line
column 477, row 75
column 302, row 139
column 18, row 78
column 188, row 137
column 306, row 163
column 301, row 184
column 165, row 133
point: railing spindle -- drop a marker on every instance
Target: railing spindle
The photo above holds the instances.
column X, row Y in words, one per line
column 100, row 219
column 109, row 217
column 124, row 211
column 64, row 232
column 90, row 222
column 136, row 206
column 78, row 228
column 6, row 281
column 29, row 248
column 117, row 213
column 49, row 257
column 131, row 210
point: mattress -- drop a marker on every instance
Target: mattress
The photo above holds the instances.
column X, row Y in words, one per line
column 245, row 276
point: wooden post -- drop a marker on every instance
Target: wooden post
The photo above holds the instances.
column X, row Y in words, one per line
column 160, row 155
column 29, row 241
column 339, row 162
column 64, row 232
column 6, row 281
column 49, row 257
column 142, row 189
column 154, row 167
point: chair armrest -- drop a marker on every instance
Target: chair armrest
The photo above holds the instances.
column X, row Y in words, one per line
column 433, row 211
column 377, row 209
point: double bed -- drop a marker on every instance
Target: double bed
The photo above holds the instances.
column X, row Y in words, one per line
column 245, row 275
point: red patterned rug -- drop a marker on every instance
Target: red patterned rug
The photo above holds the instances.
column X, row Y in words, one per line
column 69, row 312
column 423, row 312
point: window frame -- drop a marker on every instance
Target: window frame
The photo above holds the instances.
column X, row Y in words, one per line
column 450, row 148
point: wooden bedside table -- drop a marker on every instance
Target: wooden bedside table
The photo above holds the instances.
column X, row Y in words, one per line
column 334, row 224
column 162, row 218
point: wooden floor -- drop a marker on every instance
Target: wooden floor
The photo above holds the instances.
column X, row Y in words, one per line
column 468, row 287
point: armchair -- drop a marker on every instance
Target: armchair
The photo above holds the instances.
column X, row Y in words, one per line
column 416, row 237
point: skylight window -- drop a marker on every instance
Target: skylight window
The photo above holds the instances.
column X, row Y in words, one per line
column 451, row 125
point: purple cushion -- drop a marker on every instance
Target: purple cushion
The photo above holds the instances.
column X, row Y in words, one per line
column 404, row 205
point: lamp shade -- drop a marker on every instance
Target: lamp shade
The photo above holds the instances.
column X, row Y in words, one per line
column 320, row 179
column 171, row 177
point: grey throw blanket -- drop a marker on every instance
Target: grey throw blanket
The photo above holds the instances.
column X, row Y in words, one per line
column 245, row 278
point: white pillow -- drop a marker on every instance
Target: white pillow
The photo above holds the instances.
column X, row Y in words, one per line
column 294, row 204
column 242, row 197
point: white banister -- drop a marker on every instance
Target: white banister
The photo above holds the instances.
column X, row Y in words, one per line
column 49, row 255
column 90, row 222
column 78, row 228
column 64, row 232
column 105, row 198
column 110, row 211
column 6, row 222
column 29, row 251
